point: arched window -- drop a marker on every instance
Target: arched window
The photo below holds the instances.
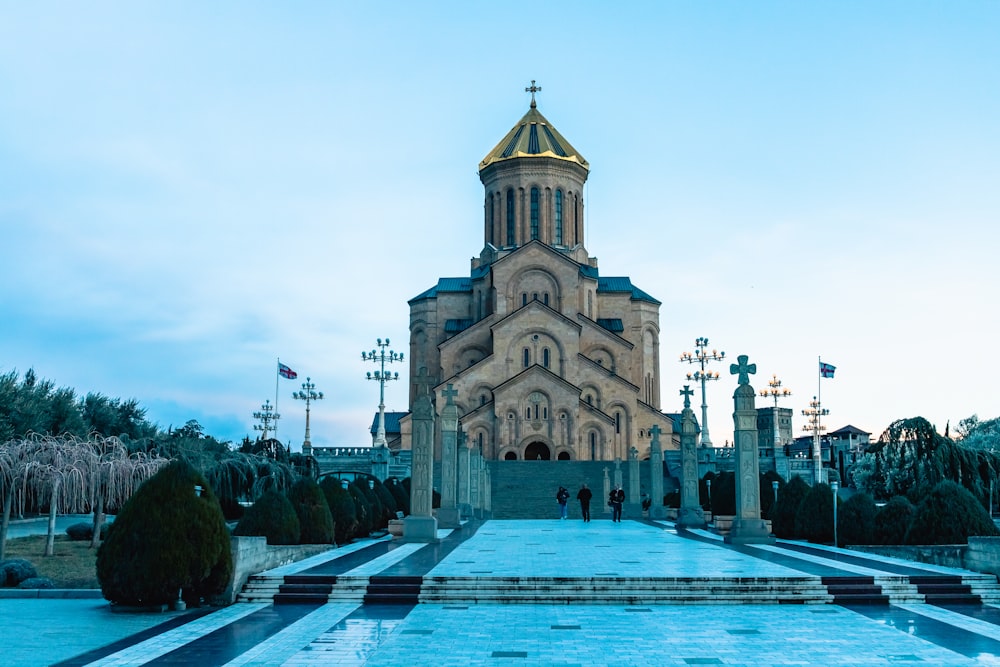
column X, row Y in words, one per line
column 527, row 413
column 545, row 298
column 479, row 441
column 510, row 217
column 524, row 299
column 510, row 456
column 492, row 219
column 593, row 446
column 559, row 232
column 482, row 401
column 618, row 422
column 545, row 412
column 527, row 357
column 534, row 213
column 545, row 357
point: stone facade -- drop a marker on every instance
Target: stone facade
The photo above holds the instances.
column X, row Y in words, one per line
column 550, row 359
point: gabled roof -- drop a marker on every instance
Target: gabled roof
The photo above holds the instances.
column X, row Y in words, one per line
column 444, row 285
column 533, row 136
column 848, row 430
column 619, row 284
column 391, row 422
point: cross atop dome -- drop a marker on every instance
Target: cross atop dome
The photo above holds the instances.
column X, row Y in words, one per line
column 533, row 89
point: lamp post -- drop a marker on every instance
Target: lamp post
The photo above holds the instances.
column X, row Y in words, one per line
column 708, row 490
column 815, row 413
column 701, row 356
column 266, row 416
column 776, row 392
column 774, row 487
column 308, row 394
column 834, row 486
column 381, row 357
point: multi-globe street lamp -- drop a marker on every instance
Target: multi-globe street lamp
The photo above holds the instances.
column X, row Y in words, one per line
column 815, row 413
column 308, row 394
column 702, row 356
column 776, row 392
column 381, row 357
column 266, row 416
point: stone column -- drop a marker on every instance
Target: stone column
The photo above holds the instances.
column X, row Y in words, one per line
column 633, row 504
column 380, row 462
column 448, row 512
column 607, row 492
column 690, row 514
column 420, row 525
column 748, row 527
column 464, row 470
column 487, row 492
column 656, row 510
column 475, row 475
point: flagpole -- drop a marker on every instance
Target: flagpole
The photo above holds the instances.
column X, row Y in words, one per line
column 277, row 375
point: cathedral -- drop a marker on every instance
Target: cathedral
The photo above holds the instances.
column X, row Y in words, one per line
column 550, row 359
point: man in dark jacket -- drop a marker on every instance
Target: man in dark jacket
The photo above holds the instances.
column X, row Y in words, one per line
column 562, row 496
column 616, row 499
column 584, row 495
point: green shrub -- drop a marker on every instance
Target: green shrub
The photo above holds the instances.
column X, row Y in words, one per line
column 341, row 503
column 400, row 494
column 767, row 492
column 166, row 538
column 363, row 511
column 790, row 496
column 856, row 520
column 893, row 520
column 36, row 583
column 724, row 494
column 273, row 517
column 387, row 501
column 84, row 531
column 315, row 519
column 16, row 570
column 949, row 515
column 814, row 520
column 672, row 499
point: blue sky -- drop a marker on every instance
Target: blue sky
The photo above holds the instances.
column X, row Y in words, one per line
column 189, row 191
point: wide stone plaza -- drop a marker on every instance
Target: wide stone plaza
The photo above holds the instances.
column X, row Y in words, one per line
column 550, row 593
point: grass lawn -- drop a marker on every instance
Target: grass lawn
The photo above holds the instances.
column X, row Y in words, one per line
column 74, row 564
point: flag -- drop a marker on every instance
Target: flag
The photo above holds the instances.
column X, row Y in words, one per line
column 826, row 370
column 286, row 372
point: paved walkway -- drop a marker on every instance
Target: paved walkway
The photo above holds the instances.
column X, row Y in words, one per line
column 49, row 631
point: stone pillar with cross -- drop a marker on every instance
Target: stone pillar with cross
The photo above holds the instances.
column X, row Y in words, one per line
column 748, row 527
column 448, row 515
column 464, row 477
column 607, row 491
column 633, row 496
column 689, row 515
column 420, row 525
column 656, row 509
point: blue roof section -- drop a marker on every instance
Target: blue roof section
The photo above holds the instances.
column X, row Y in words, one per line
column 445, row 285
column 588, row 271
column 623, row 284
column 391, row 422
column 611, row 324
column 457, row 326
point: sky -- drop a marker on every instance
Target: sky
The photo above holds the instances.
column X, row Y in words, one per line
column 190, row 191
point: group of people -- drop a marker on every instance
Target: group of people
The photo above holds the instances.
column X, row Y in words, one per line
column 615, row 501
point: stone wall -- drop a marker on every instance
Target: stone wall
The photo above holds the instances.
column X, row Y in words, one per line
column 981, row 554
column 253, row 554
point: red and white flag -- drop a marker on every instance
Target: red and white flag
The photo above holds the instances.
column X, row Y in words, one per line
column 286, row 372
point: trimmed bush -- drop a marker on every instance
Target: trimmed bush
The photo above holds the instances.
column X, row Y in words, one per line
column 341, row 503
column 790, row 496
column 273, row 517
column 767, row 492
column 16, row 570
column 814, row 520
column 856, row 520
column 400, row 494
column 672, row 499
column 84, row 531
column 36, row 583
column 724, row 493
column 315, row 519
column 166, row 539
column 387, row 501
column 949, row 515
column 363, row 511
column 893, row 520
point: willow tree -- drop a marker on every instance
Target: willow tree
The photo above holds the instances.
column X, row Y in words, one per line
column 911, row 457
column 245, row 477
column 114, row 477
column 58, row 473
column 14, row 455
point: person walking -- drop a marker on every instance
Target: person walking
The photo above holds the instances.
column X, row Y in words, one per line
column 562, row 496
column 616, row 499
column 584, row 495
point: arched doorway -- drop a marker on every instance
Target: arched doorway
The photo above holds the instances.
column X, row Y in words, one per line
column 510, row 456
column 537, row 451
column 563, row 456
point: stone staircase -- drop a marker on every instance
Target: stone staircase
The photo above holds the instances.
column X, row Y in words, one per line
column 515, row 497
column 624, row 590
